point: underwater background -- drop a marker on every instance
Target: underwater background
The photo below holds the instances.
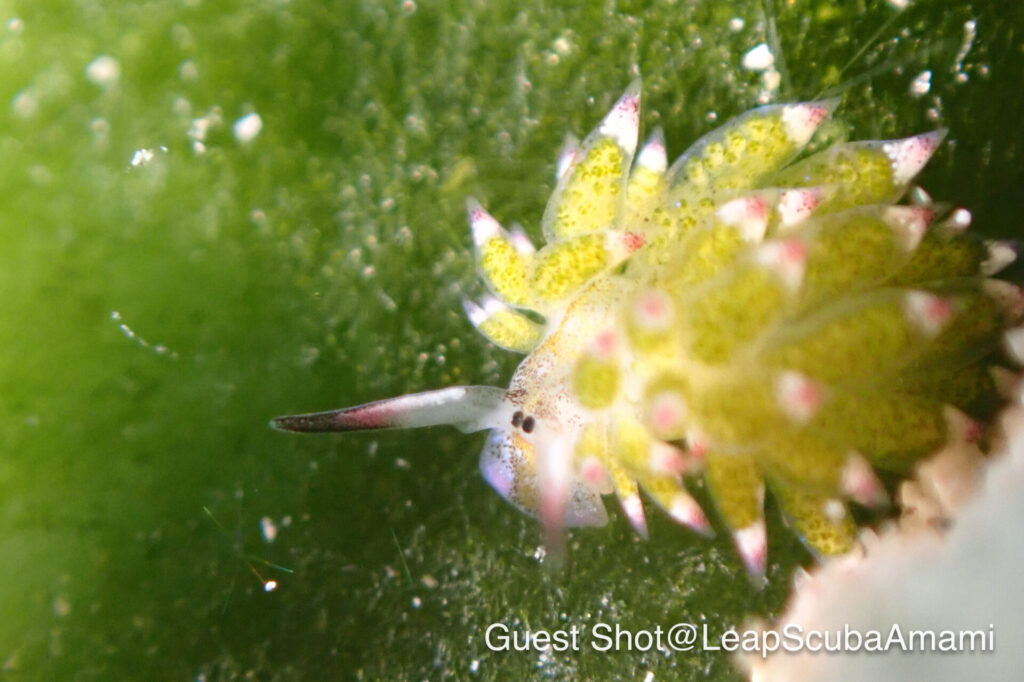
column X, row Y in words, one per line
column 214, row 212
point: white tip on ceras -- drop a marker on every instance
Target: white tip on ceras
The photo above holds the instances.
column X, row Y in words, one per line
column 1007, row 382
column 483, row 225
column 958, row 221
column 652, row 155
column 909, row 223
column 633, row 508
column 1013, row 345
column 798, row 397
column 477, row 315
column 622, row 123
column 1009, row 296
column 1000, row 255
column 752, row 544
column 859, row 482
column 795, row 205
column 919, row 197
column 929, row 312
column 909, row 155
column 685, row 510
column 566, row 155
column 521, row 242
column 787, row 259
column 749, row 215
column 801, row 120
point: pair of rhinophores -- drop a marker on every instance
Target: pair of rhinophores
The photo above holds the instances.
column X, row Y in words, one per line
column 761, row 316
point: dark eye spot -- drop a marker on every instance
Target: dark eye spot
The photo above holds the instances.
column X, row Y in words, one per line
column 517, row 418
column 528, row 424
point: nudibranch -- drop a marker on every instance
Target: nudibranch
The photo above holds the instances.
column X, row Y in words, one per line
column 758, row 315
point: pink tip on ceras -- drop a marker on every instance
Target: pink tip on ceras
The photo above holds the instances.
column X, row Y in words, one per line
column 697, row 443
column 633, row 508
column 621, row 245
column 787, row 258
column 909, row 155
column 596, row 475
column 622, row 123
column 606, row 344
column 929, row 312
column 566, row 156
column 633, row 241
column 859, row 482
column 685, row 510
column 752, row 544
column 959, row 426
column 652, row 155
column 483, row 225
column 667, row 459
column 668, row 413
column 653, row 310
column 801, row 120
column 749, row 215
column 795, row 205
column 798, row 397
column 909, row 223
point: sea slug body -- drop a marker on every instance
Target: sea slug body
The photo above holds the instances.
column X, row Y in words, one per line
column 769, row 319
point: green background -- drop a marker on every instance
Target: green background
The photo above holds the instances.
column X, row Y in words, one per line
column 323, row 264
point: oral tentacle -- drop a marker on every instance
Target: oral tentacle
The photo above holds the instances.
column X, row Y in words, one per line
column 467, row 408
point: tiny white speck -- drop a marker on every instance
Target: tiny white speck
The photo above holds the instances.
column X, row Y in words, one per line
column 24, row 104
column 474, row 666
column 270, row 586
column 142, row 156
column 103, row 71
column 248, row 127
column 61, row 606
column 649, row 677
column 921, row 84
column 899, row 4
column 268, row 529
column 15, row 25
column 759, row 58
column 416, row 602
column 188, row 71
column 736, row 24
